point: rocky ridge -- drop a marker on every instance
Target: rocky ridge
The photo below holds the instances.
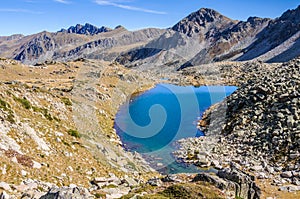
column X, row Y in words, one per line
column 202, row 37
column 63, row 46
column 86, row 29
column 209, row 37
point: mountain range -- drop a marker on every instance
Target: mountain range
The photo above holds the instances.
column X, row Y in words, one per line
column 204, row 36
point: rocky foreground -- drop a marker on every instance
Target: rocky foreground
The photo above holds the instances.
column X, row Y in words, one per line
column 256, row 129
column 49, row 150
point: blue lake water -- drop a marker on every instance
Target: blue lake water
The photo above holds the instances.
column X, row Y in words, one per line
column 151, row 122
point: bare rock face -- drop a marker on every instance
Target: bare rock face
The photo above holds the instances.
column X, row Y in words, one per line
column 87, row 29
column 68, row 193
column 276, row 33
column 232, row 180
column 203, row 19
column 245, row 186
column 37, row 47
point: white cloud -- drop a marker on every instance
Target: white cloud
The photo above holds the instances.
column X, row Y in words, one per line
column 119, row 4
column 62, row 1
column 19, row 11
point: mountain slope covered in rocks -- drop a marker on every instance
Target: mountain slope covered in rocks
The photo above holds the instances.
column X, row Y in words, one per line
column 255, row 129
column 89, row 41
column 204, row 36
column 207, row 36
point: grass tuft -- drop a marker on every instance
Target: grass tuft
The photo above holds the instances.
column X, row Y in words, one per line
column 25, row 103
column 74, row 133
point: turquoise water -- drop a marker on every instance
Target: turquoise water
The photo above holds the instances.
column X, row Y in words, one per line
column 151, row 122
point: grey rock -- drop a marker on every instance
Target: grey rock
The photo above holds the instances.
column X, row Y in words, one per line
column 4, row 195
column 154, row 182
column 67, row 193
column 286, row 174
column 246, row 187
column 131, row 182
column 290, row 188
column 5, row 186
column 171, row 178
column 215, row 180
column 257, row 168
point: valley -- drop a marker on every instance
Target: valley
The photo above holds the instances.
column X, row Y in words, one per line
column 60, row 93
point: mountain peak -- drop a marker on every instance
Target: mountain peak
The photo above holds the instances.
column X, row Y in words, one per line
column 86, row 29
column 201, row 19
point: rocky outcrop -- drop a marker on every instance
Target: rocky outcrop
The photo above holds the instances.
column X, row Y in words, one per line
column 87, row 29
column 232, row 180
column 245, row 186
column 67, row 193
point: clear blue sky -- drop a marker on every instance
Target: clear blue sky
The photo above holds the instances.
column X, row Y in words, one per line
column 32, row 16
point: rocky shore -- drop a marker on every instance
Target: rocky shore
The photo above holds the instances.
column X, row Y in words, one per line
column 256, row 129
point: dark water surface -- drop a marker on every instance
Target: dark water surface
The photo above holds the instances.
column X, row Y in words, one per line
column 152, row 121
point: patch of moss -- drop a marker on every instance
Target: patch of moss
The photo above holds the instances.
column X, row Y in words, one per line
column 74, row 133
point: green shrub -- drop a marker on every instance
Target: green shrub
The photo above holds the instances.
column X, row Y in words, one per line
column 176, row 191
column 4, row 105
column 74, row 133
column 25, row 103
column 44, row 111
column 66, row 101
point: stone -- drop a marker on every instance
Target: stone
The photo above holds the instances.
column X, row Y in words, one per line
column 289, row 188
column 23, row 173
column 154, row 182
column 171, row 178
column 131, row 182
column 286, row 174
column 4, row 195
column 215, row 180
column 5, row 186
column 256, row 168
column 36, row 165
column 67, row 193
column 270, row 169
column 262, row 175
column 296, row 181
column 26, row 187
column 246, row 187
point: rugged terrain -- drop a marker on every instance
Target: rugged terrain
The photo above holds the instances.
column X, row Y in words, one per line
column 59, row 93
column 202, row 37
column 255, row 129
column 57, row 130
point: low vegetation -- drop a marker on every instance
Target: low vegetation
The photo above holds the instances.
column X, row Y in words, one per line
column 24, row 102
column 74, row 133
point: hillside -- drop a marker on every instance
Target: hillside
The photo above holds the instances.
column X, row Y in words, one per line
column 202, row 37
column 207, row 36
column 60, row 92
column 68, row 44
